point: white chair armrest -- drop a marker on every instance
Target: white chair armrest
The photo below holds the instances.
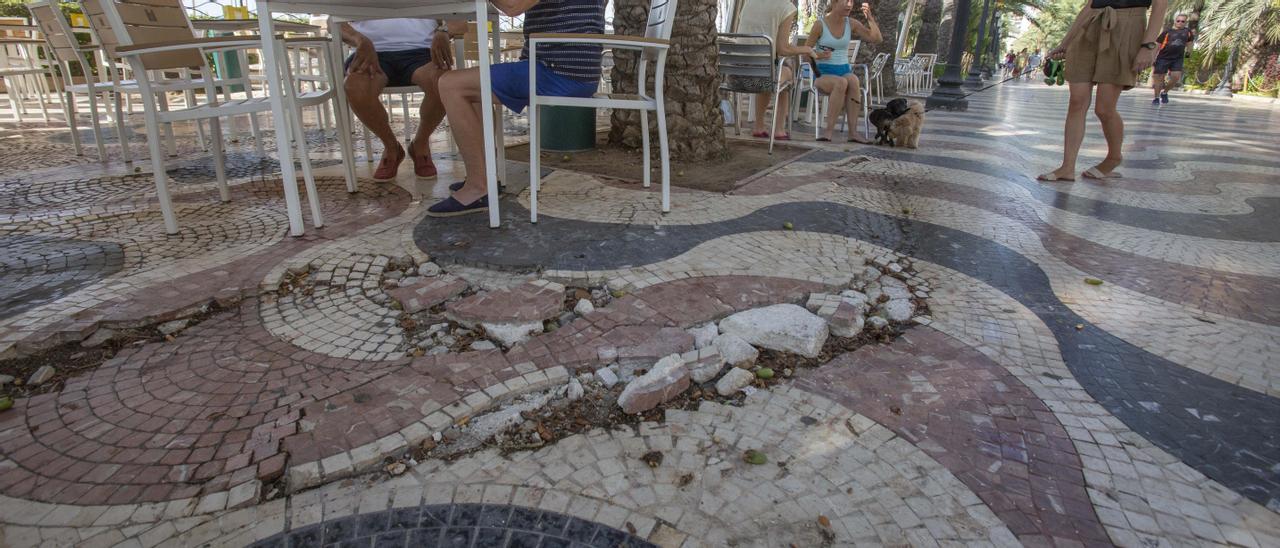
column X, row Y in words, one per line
column 611, row 40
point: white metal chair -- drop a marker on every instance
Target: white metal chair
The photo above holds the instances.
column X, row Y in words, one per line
column 652, row 47
column 822, row 101
column 155, row 36
column 876, row 71
column 747, row 64
column 24, row 76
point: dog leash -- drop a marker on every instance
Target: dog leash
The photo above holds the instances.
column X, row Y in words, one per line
column 979, row 90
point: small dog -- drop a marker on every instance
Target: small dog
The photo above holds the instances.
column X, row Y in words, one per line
column 905, row 129
column 882, row 118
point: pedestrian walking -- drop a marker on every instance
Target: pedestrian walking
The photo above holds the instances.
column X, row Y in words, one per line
column 1173, row 49
column 1110, row 42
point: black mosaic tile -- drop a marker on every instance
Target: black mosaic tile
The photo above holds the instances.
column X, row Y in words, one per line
column 470, row 526
column 36, row 270
column 1168, row 404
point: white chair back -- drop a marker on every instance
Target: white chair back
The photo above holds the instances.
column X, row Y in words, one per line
column 744, row 55
column 145, row 22
column 57, row 32
column 662, row 16
column 854, row 46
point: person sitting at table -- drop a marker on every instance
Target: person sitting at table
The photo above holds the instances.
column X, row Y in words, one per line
column 773, row 18
column 397, row 52
column 565, row 70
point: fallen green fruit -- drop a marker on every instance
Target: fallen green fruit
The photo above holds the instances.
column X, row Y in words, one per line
column 618, row 293
column 1093, row 281
column 787, row 225
column 5, row 403
column 754, row 457
column 764, row 373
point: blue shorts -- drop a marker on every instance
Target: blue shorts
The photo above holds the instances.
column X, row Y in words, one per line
column 834, row 70
column 511, row 84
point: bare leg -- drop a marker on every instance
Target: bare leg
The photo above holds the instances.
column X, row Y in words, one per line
column 834, row 87
column 1073, row 128
column 1174, row 81
column 783, row 108
column 460, row 93
column 1157, row 82
column 763, row 100
column 364, row 95
column 761, row 107
column 854, row 109
column 431, row 113
column 1112, row 125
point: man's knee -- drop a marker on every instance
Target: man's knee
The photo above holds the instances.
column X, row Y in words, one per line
column 427, row 77
column 361, row 86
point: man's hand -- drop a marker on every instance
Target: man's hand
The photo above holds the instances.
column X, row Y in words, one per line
column 365, row 59
column 1143, row 60
column 442, row 50
column 1058, row 52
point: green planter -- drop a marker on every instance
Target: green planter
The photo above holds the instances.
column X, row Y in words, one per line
column 567, row 129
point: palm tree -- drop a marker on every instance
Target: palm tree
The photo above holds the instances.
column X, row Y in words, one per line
column 694, row 120
column 930, row 18
column 1240, row 24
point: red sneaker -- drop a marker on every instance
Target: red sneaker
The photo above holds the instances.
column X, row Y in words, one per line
column 423, row 166
column 388, row 167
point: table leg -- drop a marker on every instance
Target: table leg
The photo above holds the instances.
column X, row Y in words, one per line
column 486, row 111
column 279, row 119
column 342, row 112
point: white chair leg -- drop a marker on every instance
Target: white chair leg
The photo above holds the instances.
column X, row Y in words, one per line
column 190, row 97
column 70, row 109
column 42, row 92
column 535, row 160
column 170, row 141
column 309, row 180
column 162, row 179
column 219, row 159
column 664, row 151
column 120, row 129
column 368, row 144
column 97, row 127
column 644, row 145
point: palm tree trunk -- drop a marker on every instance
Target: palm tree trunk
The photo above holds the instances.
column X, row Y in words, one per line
column 886, row 13
column 927, row 42
column 694, row 121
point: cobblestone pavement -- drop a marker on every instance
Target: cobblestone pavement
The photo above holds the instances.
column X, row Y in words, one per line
column 1096, row 363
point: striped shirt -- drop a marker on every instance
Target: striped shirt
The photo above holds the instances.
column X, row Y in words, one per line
column 576, row 61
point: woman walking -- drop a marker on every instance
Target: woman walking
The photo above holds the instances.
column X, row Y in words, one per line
column 1109, row 43
column 831, row 50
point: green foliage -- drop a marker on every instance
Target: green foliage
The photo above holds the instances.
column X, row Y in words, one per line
column 1240, row 24
column 18, row 8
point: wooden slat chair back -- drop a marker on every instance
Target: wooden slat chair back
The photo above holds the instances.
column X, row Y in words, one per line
column 57, row 32
column 147, row 23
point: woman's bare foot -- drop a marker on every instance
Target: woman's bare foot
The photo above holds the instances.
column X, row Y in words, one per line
column 855, row 138
column 1107, row 165
column 1057, row 175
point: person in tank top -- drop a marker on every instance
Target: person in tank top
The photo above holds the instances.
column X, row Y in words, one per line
column 1110, row 42
column 830, row 37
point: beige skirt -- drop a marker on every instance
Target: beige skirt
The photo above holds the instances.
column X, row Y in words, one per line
column 1104, row 53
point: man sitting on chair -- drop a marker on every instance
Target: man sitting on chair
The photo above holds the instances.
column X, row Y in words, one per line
column 565, row 70
column 397, row 52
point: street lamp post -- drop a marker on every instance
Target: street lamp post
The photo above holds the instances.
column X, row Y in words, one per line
column 975, row 68
column 1224, row 87
column 948, row 94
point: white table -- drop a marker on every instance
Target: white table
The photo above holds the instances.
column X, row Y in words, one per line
column 356, row 10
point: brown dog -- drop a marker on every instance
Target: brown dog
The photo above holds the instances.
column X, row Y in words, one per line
column 905, row 130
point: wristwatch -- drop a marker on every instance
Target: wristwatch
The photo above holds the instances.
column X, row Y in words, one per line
column 1149, row 45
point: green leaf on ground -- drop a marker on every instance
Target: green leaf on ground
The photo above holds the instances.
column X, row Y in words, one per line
column 754, row 457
